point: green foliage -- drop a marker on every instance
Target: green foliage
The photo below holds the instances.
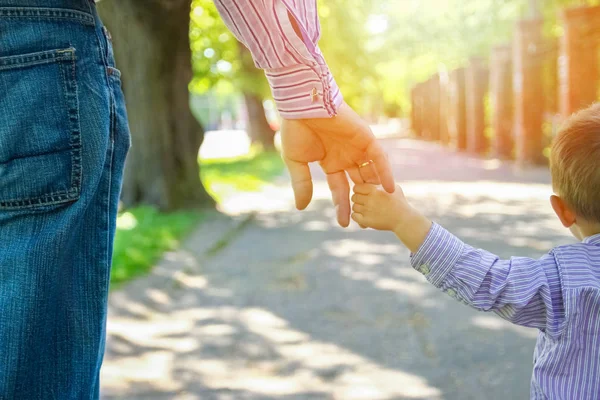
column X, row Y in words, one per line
column 214, row 48
column 219, row 61
column 143, row 235
column 347, row 46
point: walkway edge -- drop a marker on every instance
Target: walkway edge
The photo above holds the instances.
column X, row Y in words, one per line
column 214, row 233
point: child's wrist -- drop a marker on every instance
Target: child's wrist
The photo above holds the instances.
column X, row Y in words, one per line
column 408, row 216
column 413, row 229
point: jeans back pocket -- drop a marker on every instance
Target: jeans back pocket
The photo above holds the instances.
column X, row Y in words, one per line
column 40, row 140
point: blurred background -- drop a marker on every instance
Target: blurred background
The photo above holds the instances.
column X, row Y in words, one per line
column 221, row 290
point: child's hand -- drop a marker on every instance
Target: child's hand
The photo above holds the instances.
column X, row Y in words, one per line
column 374, row 208
column 380, row 210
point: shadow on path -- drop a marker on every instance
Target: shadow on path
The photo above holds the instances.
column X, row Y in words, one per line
column 297, row 308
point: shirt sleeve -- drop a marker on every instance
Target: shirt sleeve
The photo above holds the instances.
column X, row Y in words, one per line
column 300, row 80
column 521, row 290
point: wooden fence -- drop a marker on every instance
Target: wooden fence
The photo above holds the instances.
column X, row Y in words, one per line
column 508, row 106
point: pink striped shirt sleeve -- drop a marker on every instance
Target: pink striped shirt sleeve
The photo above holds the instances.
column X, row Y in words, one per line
column 300, row 80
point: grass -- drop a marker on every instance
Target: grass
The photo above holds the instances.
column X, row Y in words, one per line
column 144, row 233
column 224, row 177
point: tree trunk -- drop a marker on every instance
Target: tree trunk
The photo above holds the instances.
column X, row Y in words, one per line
column 253, row 83
column 259, row 129
column 151, row 44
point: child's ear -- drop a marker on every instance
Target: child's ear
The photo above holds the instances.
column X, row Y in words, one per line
column 563, row 212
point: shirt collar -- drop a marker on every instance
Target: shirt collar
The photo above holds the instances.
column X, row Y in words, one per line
column 594, row 239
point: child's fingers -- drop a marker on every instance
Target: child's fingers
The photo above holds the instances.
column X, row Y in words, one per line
column 364, row 188
column 359, row 219
column 359, row 208
column 359, row 198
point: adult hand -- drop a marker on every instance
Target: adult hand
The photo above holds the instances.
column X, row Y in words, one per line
column 340, row 144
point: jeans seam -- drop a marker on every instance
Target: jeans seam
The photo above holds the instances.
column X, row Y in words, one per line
column 75, row 128
column 104, row 55
column 45, row 57
column 103, row 50
column 108, row 204
column 114, row 72
column 47, row 199
column 46, row 13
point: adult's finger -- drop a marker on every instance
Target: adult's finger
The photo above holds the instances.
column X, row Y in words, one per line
column 354, row 175
column 301, row 182
column 340, row 193
column 368, row 173
column 384, row 169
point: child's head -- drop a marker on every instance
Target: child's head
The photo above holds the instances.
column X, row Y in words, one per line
column 575, row 168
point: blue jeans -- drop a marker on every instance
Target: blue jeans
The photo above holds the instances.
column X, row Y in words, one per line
column 63, row 141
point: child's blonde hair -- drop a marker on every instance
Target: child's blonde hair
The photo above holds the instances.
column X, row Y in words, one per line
column 575, row 163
